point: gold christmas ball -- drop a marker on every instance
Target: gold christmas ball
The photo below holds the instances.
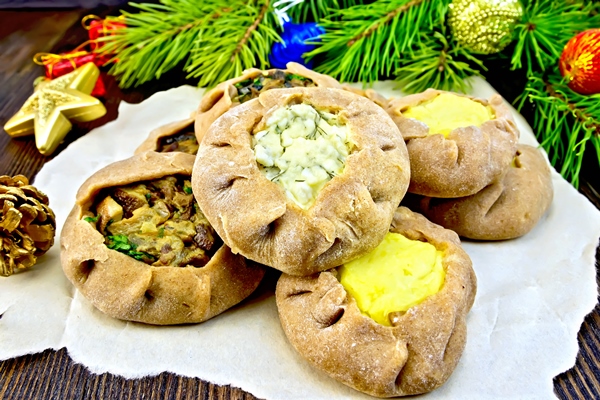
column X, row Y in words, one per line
column 27, row 224
column 483, row 26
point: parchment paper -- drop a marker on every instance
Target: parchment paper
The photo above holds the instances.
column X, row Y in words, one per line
column 522, row 331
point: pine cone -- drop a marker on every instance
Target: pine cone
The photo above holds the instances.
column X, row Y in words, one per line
column 27, row 224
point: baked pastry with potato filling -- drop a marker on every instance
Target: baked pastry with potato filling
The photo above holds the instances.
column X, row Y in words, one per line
column 503, row 210
column 178, row 136
column 139, row 248
column 302, row 179
column 392, row 322
column 250, row 85
column 457, row 144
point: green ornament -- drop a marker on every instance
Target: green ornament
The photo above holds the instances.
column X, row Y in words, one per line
column 483, row 26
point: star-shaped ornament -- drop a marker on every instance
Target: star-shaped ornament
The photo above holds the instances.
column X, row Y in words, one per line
column 48, row 112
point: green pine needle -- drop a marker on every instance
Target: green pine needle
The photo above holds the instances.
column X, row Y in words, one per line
column 436, row 64
column 565, row 122
column 546, row 27
column 217, row 40
column 368, row 40
column 315, row 10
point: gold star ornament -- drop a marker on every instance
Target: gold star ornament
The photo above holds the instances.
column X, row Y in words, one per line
column 48, row 112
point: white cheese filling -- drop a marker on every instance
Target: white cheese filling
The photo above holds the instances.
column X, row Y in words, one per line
column 301, row 149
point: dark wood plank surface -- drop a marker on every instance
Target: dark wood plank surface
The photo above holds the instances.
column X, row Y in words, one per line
column 52, row 374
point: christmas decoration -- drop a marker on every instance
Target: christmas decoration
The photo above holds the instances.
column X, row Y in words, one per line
column 99, row 28
column 580, row 62
column 48, row 111
column 297, row 40
column 27, row 224
column 483, row 26
column 56, row 65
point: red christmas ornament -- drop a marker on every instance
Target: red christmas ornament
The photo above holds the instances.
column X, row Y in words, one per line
column 56, row 65
column 580, row 62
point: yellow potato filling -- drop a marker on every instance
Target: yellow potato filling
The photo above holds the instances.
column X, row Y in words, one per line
column 397, row 275
column 302, row 149
column 447, row 112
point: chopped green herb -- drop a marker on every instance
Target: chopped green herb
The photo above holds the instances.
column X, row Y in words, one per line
column 161, row 232
column 187, row 189
column 92, row 219
column 122, row 244
column 289, row 77
column 243, row 83
column 148, row 196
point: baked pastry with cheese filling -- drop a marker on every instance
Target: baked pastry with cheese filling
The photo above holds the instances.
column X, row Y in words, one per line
column 503, row 210
column 249, row 85
column 138, row 247
column 302, row 179
column 391, row 323
column 457, row 144
column 178, row 136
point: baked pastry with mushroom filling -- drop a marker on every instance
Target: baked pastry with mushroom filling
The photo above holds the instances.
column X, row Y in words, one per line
column 138, row 247
column 250, row 85
column 176, row 136
column 302, row 179
column 503, row 210
column 391, row 323
column 457, row 144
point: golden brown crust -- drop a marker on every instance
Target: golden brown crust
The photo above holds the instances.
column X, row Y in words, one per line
column 370, row 94
column 219, row 99
column 503, row 210
column 464, row 162
column 415, row 355
column 152, row 142
column 253, row 215
column 125, row 288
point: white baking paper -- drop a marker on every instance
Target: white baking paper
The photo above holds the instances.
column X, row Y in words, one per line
column 533, row 294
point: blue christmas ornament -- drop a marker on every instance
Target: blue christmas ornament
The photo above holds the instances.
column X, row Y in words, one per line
column 294, row 45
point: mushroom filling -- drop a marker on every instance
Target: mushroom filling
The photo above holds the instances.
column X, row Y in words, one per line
column 184, row 142
column 301, row 149
column 397, row 275
column 447, row 111
column 274, row 79
column 157, row 222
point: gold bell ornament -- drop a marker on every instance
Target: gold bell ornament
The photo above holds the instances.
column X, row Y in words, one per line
column 48, row 112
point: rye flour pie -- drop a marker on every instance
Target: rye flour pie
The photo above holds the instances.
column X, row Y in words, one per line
column 302, row 179
column 249, row 85
column 178, row 136
column 394, row 324
column 457, row 144
column 503, row 210
column 370, row 94
column 137, row 246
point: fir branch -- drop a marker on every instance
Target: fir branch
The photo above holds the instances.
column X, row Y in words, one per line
column 369, row 39
column 249, row 31
column 315, row 10
column 216, row 39
column 436, row 63
column 237, row 41
column 565, row 122
column 546, row 27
